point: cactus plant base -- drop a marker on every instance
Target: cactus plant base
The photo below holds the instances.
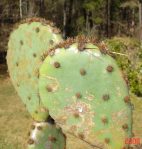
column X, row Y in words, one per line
column 46, row 136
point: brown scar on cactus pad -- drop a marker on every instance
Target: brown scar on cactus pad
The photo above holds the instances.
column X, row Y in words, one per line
column 86, row 70
column 30, row 39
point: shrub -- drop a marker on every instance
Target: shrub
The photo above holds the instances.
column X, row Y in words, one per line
column 131, row 62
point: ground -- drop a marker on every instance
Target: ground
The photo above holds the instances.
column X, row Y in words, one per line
column 15, row 121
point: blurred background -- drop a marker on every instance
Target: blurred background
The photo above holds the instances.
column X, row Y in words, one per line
column 117, row 22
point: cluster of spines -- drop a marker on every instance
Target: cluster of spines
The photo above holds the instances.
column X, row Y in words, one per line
column 42, row 21
column 82, row 41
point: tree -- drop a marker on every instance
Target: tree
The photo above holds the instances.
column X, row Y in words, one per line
column 140, row 13
column 108, row 17
column 131, row 6
column 67, row 12
column 20, row 7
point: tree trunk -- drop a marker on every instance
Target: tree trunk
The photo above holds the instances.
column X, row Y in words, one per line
column 42, row 7
column 31, row 12
column 140, row 15
column 64, row 19
column 87, row 20
column 67, row 20
column 108, row 17
column 133, row 23
column 20, row 6
column 70, row 11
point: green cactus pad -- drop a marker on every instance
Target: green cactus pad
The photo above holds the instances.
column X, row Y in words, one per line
column 26, row 46
column 46, row 136
column 85, row 92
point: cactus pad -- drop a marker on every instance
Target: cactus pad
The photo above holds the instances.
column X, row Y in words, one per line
column 46, row 136
column 26, row 46
column 83, row 88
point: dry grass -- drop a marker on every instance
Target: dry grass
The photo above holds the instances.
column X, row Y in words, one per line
column 15, row 121
column 137, row 116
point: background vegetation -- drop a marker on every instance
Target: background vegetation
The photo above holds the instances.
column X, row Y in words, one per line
column 118, row 20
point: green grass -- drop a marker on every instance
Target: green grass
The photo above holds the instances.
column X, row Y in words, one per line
column 15, row 121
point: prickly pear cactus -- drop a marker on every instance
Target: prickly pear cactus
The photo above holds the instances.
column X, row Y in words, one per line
column 83, row 88
column 46, row 136
column 26, row 46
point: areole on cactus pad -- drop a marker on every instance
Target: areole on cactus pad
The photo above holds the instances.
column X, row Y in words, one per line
column 86, row 94
column 26, row 46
